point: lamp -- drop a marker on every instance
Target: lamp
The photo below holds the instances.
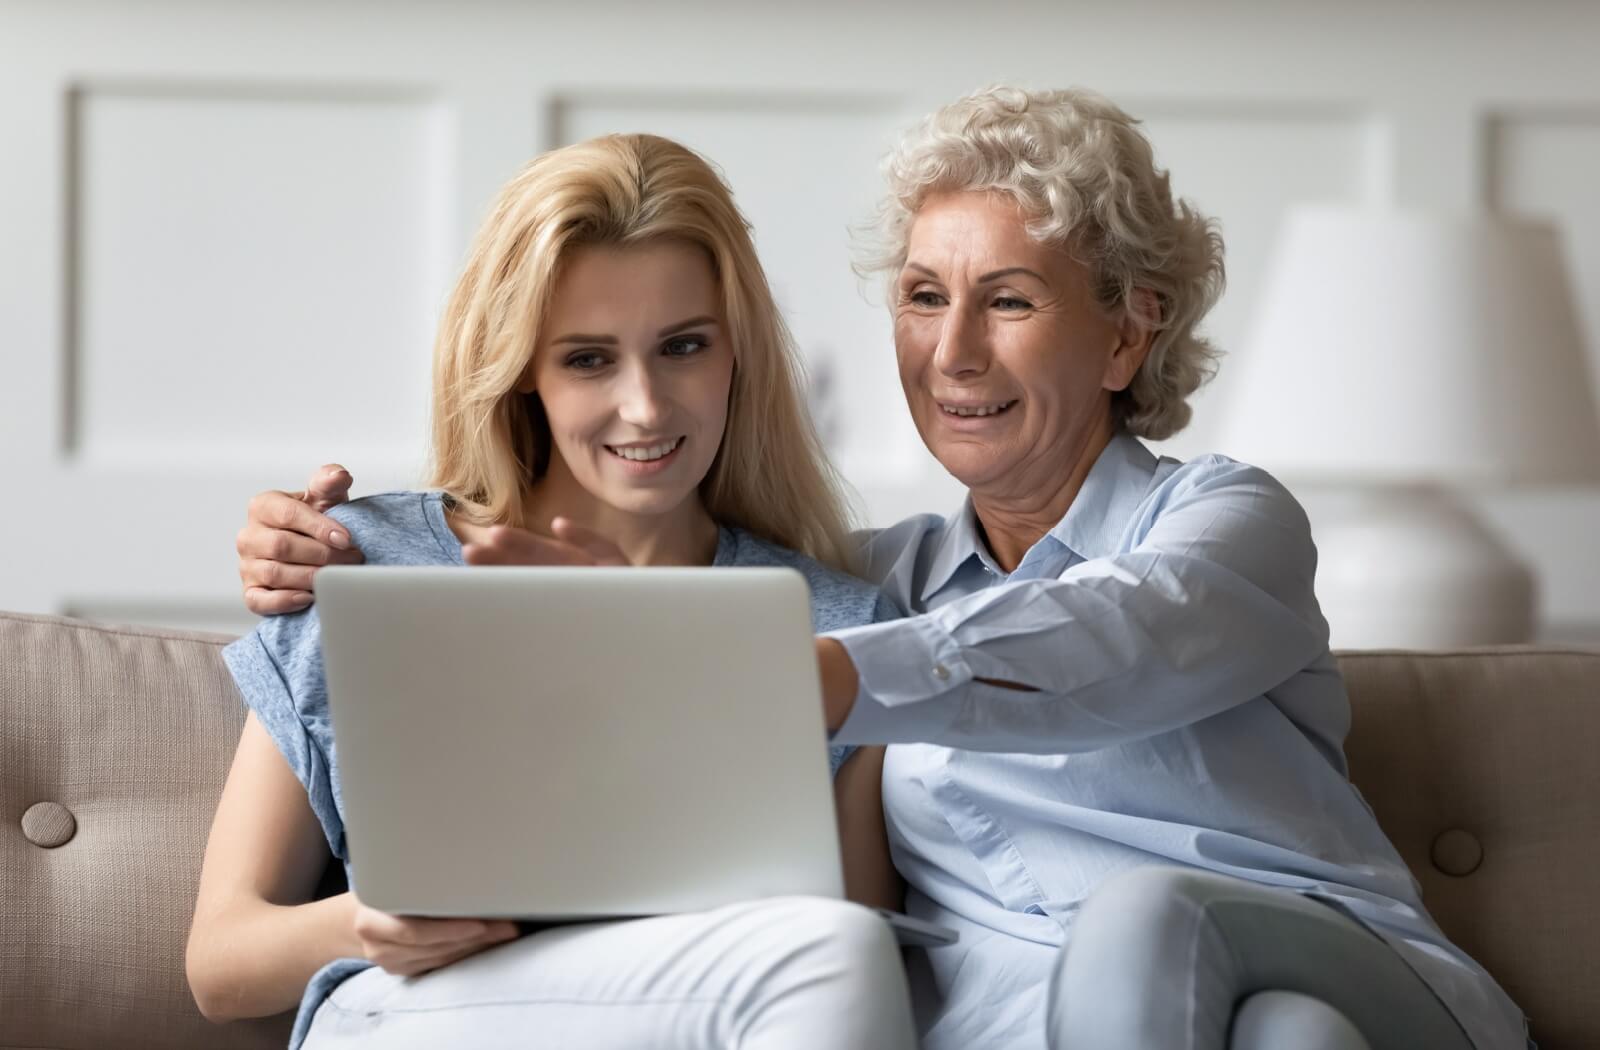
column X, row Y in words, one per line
column 1402, row 354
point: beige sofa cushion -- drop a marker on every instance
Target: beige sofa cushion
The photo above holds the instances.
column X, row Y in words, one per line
column 125, row 735
column 114, row 743
column 1493, row 756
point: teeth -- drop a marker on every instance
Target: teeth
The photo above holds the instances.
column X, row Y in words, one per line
column 986, row 410
column 646, row 454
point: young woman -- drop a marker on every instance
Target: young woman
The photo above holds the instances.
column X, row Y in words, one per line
column 611, row 361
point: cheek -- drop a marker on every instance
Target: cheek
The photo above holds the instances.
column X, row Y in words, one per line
column 1049, row 365
column 571, row 410
column 705, row 396
column 915, row 339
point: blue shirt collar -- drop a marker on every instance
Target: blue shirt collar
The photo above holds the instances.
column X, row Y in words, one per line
column 1091, row 528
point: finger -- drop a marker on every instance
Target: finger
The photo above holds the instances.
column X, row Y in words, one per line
column 403, row 945
column 506, row 545
column 280, row 510
column 598, row 547
column 329, row 487
column 466, row 950
column 426, row 933
column 276, row 575
column 414, row 964
column 265, row 602
column 258, row 541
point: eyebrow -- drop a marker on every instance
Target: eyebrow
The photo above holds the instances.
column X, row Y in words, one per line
column 611, row 340
column 992, row 275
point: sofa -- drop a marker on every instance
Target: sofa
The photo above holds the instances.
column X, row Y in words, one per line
column 1482, row 765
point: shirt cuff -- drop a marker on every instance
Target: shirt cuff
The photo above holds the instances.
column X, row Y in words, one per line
column 912, row 675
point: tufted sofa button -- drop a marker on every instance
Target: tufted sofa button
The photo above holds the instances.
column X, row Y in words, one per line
column 49, row 824
column 1457, row 852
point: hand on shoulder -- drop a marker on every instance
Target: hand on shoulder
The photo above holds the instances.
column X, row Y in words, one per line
column 287, row 537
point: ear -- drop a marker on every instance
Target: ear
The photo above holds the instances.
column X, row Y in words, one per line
column 1135, row 334
column 528, row 383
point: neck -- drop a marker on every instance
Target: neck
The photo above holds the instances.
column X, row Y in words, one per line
column 1013, row 517
column 686, row 535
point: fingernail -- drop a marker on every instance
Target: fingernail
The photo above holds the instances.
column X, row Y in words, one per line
column 339, row 540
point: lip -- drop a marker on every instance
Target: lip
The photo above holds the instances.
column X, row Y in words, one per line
column 644, row 468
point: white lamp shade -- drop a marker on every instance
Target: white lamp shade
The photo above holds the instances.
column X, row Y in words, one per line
column 1401, row 346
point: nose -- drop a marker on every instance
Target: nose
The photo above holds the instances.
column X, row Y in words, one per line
column 963, row 349
column 641, row 398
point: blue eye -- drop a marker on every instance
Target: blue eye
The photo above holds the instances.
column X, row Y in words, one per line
column 685, row 345
column 585, row 361
column 1008, row 302
column 925, row 298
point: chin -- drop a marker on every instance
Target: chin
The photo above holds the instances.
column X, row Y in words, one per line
column 646, row 504
column 965, row 468
column 972, row 465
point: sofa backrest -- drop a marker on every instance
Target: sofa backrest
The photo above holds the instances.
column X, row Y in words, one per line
column 1483, row 766
column 114, row 743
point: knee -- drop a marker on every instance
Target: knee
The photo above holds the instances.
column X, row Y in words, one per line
column 1276, row 1018
column 1154, row 883
column 848, row 934
column 831, row 976
column 1145, row 902
column 1145, row 925
column 1125, row 977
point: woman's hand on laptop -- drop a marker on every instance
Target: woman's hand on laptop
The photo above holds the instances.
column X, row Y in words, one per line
column 286, row 539
column 408, row 946
column 572, row 544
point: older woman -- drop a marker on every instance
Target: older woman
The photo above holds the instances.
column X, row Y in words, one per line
column 1115, row 726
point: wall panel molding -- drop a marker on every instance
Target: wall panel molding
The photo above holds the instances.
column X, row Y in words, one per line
column 199, row 253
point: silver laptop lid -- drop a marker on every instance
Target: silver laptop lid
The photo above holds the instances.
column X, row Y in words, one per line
column 563, row 743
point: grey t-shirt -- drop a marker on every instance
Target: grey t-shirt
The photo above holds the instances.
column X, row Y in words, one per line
column 278, row 666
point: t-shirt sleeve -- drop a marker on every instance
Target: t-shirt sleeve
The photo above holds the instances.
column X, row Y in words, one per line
column 278, row 669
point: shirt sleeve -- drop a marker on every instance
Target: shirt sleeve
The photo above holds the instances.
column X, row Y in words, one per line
column 278, row 669
column 1212, row 607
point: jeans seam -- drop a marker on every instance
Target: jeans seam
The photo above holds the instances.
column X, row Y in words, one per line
column 552, row 1001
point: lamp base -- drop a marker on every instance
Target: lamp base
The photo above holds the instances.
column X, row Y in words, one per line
column 1410, row 567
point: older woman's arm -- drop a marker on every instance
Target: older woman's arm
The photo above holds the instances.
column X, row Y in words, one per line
column 1211, row 607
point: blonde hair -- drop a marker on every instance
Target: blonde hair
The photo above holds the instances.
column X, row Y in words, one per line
column 1086, row 176
column 491, row 442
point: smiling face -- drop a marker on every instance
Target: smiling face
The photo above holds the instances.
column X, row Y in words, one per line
column 1007, row 361
column 633, row 368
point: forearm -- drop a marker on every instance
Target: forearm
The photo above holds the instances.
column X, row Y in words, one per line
column 1102, row 659
column 870, row 877
column 255, row 959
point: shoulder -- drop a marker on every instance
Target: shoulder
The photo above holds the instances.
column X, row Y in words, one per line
column 838, row 599
column 398, row 528
column 1214, row 509
column 384, row 511
column 1221, row 484
column 882, row 551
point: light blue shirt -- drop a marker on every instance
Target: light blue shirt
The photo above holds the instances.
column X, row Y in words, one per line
column 1188, row 712
column 279, row 670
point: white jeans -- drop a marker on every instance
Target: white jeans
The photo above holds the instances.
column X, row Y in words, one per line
column 794, row 973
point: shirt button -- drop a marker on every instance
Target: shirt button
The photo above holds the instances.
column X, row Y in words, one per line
column 941, row 672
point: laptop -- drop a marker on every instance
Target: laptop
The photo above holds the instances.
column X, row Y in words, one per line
column 568, row 744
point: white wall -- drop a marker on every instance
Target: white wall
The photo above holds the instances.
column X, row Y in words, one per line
column 225, row 228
